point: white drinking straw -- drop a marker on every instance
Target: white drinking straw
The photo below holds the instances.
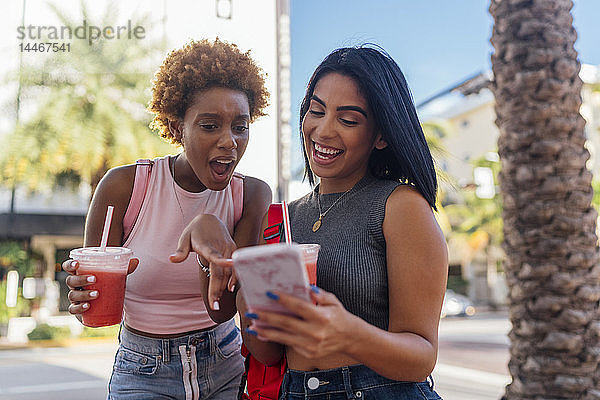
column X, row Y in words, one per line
column 286, row 223
column 104, row 242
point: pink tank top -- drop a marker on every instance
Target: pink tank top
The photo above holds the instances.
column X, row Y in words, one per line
column 163, row 297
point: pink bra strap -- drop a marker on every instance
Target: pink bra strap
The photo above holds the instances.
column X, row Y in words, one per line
column 140, row 186
column 237, row 192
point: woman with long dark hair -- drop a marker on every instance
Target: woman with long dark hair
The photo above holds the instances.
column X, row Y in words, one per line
column 371, row 330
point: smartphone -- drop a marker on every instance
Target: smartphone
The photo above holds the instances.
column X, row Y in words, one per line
column 271, row 267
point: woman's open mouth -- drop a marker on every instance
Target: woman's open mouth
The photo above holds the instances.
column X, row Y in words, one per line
column 221, row 168
column 324, row 154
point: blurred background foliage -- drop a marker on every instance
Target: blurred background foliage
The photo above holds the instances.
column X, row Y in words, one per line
column 82, row 112
column 13, row 255
column 23, row 308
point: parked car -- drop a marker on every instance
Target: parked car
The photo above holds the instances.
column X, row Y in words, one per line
column 456, row 305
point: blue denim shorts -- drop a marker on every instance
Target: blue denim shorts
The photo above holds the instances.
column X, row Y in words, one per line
column 202, row 365
column 351, row 382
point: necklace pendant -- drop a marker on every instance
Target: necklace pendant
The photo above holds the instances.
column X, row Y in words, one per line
column 317, row 224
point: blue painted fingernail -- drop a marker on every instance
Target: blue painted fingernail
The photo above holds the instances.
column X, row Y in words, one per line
column 272, row 296
column 251, row 315
column 251, row 332
column 314, row 289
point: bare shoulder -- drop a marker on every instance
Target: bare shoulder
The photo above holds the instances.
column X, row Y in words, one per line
column 408, row 214
column 256, row 190
column 121, row 174
column 118, row 182
column 114, row 189
column 257, row 197
column 405, row 201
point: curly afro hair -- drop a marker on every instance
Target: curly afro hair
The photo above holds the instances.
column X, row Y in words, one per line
column 198, row 66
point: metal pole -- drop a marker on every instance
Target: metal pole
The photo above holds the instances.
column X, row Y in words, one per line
column 283, row 98
column 17, row 112
column 164, row 27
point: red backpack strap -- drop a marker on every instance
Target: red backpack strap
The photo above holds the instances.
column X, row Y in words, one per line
column 237, row 193
column 140, row 186
column 263, row 381
column 274, row 230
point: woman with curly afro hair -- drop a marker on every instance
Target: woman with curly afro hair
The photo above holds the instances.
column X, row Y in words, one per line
column 176, row 341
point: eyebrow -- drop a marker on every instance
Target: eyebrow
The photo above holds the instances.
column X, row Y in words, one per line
column 213, row 115
column 341, row 108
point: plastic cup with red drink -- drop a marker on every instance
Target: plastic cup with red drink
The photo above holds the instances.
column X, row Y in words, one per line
column 110, row 269
column 310, row 254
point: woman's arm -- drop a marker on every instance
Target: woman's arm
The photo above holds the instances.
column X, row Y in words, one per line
column 114, row 189
column 208, row 237
column 417, row 273
column 417, row 265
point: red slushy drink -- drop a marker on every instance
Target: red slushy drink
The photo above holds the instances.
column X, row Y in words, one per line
column 310, row 254
column 110, row 269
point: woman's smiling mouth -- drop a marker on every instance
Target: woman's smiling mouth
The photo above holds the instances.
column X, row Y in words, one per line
column 325, row 154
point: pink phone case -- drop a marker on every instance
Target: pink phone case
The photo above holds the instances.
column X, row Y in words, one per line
column 270, row 267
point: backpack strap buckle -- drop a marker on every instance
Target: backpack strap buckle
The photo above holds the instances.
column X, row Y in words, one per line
column 273, row 232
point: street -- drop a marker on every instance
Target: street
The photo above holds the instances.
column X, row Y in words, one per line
column 473, row 357
column 471, row 365
column 77, row 372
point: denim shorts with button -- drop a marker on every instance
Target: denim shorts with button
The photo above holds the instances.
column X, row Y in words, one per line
column 202, row 365
column 351, row 382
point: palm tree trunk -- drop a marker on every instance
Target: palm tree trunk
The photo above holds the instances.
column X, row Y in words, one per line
column 552, row 265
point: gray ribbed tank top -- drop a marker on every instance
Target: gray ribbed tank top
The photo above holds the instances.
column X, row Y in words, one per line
column 352, row 259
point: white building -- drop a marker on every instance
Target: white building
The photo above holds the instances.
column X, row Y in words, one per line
column 466, row 111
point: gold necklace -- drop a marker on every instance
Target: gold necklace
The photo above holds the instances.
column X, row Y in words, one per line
column 318, row 222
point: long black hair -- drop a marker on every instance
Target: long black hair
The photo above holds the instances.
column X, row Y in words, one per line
column 406, row 157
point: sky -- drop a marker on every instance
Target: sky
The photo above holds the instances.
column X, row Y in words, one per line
column 436, row 43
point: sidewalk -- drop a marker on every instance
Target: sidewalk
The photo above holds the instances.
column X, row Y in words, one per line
column 473, row 357
column 63, row 342
column 18, row 329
